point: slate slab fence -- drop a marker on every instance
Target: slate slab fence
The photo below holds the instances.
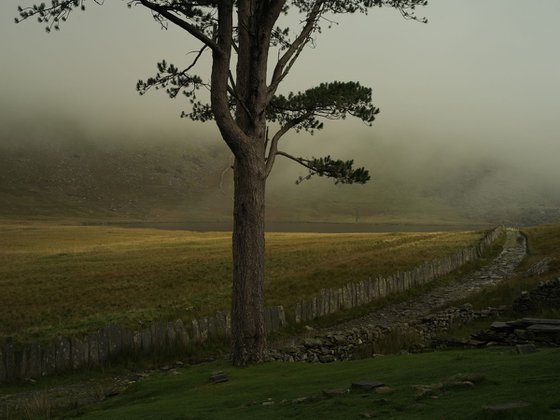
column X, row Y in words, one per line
column 100, row 348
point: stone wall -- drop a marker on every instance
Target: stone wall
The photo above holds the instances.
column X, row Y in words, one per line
column 545, row 296
column 354, row 294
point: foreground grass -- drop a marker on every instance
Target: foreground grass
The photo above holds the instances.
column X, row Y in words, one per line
column 61, row 279
column 497, row 376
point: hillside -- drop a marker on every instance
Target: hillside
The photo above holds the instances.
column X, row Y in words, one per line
column 56, row 172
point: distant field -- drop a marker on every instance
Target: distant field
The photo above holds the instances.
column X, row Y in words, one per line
column 60, row 279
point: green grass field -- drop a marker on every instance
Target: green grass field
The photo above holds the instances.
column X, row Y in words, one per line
column 63, row 278
column 462, row 382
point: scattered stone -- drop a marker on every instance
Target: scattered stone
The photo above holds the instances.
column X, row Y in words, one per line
column 368, row 414
column 312, row 342
column 541, row 328
column 525, row 348
column 423, row 391
column 540, row 268
column 467, row 377
column 526, row 331
column 134, row 378
column 505, row 407
column 308, row 328
column 112, row 393
column 366, row 385
column 459, row 384
column 300, row 400
column 537, row 321
column 268, row 403
column 499, row 325
column 336, row 392
column 218, row 377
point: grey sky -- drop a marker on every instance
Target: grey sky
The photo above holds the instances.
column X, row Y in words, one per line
column 480, row 75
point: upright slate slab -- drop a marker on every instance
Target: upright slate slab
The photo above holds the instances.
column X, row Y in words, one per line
column 159, row 335
column 63, row 354
column 34, row 360
column 221, row 327
column 195, row 330
column 171, row 336
column 9, row 358
column 48, row 359
column 147, row 340
column 103, row 345
column 79, row 353
column 212, row 332
column 203, row 328
column 127, row 344
column 114, row 339
column 228, row 324
column 3, row 372
column 22, row 363
column 93, row 350
column 182, row 334
column 267, row 320
column 137, row 342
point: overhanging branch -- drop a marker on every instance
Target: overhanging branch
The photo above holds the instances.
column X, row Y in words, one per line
column 341, row 171
column 273, row 151
column 287, row 60
column 193, row 30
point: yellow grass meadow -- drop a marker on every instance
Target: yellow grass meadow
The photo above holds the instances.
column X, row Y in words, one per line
column 58, row 279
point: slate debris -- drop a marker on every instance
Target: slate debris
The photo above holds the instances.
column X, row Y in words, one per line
column 218, row 377
column 505, row 407
column 525, row 331
column 366, row 385
column 331, row 393
column 525, row 348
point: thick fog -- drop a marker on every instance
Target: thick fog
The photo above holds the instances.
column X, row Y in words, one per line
column 469, row 102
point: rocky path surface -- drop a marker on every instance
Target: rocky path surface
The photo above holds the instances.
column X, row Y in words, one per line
column 416, row 316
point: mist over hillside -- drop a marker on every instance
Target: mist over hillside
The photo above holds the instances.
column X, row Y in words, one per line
column 57, row 169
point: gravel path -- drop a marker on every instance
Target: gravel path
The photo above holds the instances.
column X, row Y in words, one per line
column 501, row 268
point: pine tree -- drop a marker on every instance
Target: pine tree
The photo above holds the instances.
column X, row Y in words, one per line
column 245, row 104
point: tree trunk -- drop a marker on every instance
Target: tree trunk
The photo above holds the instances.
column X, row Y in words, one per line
column 248, row 330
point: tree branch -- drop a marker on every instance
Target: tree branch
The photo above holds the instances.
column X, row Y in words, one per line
column 288, row 59
column 341, row 171
column 273, row 151
column 170, row 75
column 232, row 134
column 193, row 30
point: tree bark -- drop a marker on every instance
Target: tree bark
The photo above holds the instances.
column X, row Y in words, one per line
column 248, row 329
